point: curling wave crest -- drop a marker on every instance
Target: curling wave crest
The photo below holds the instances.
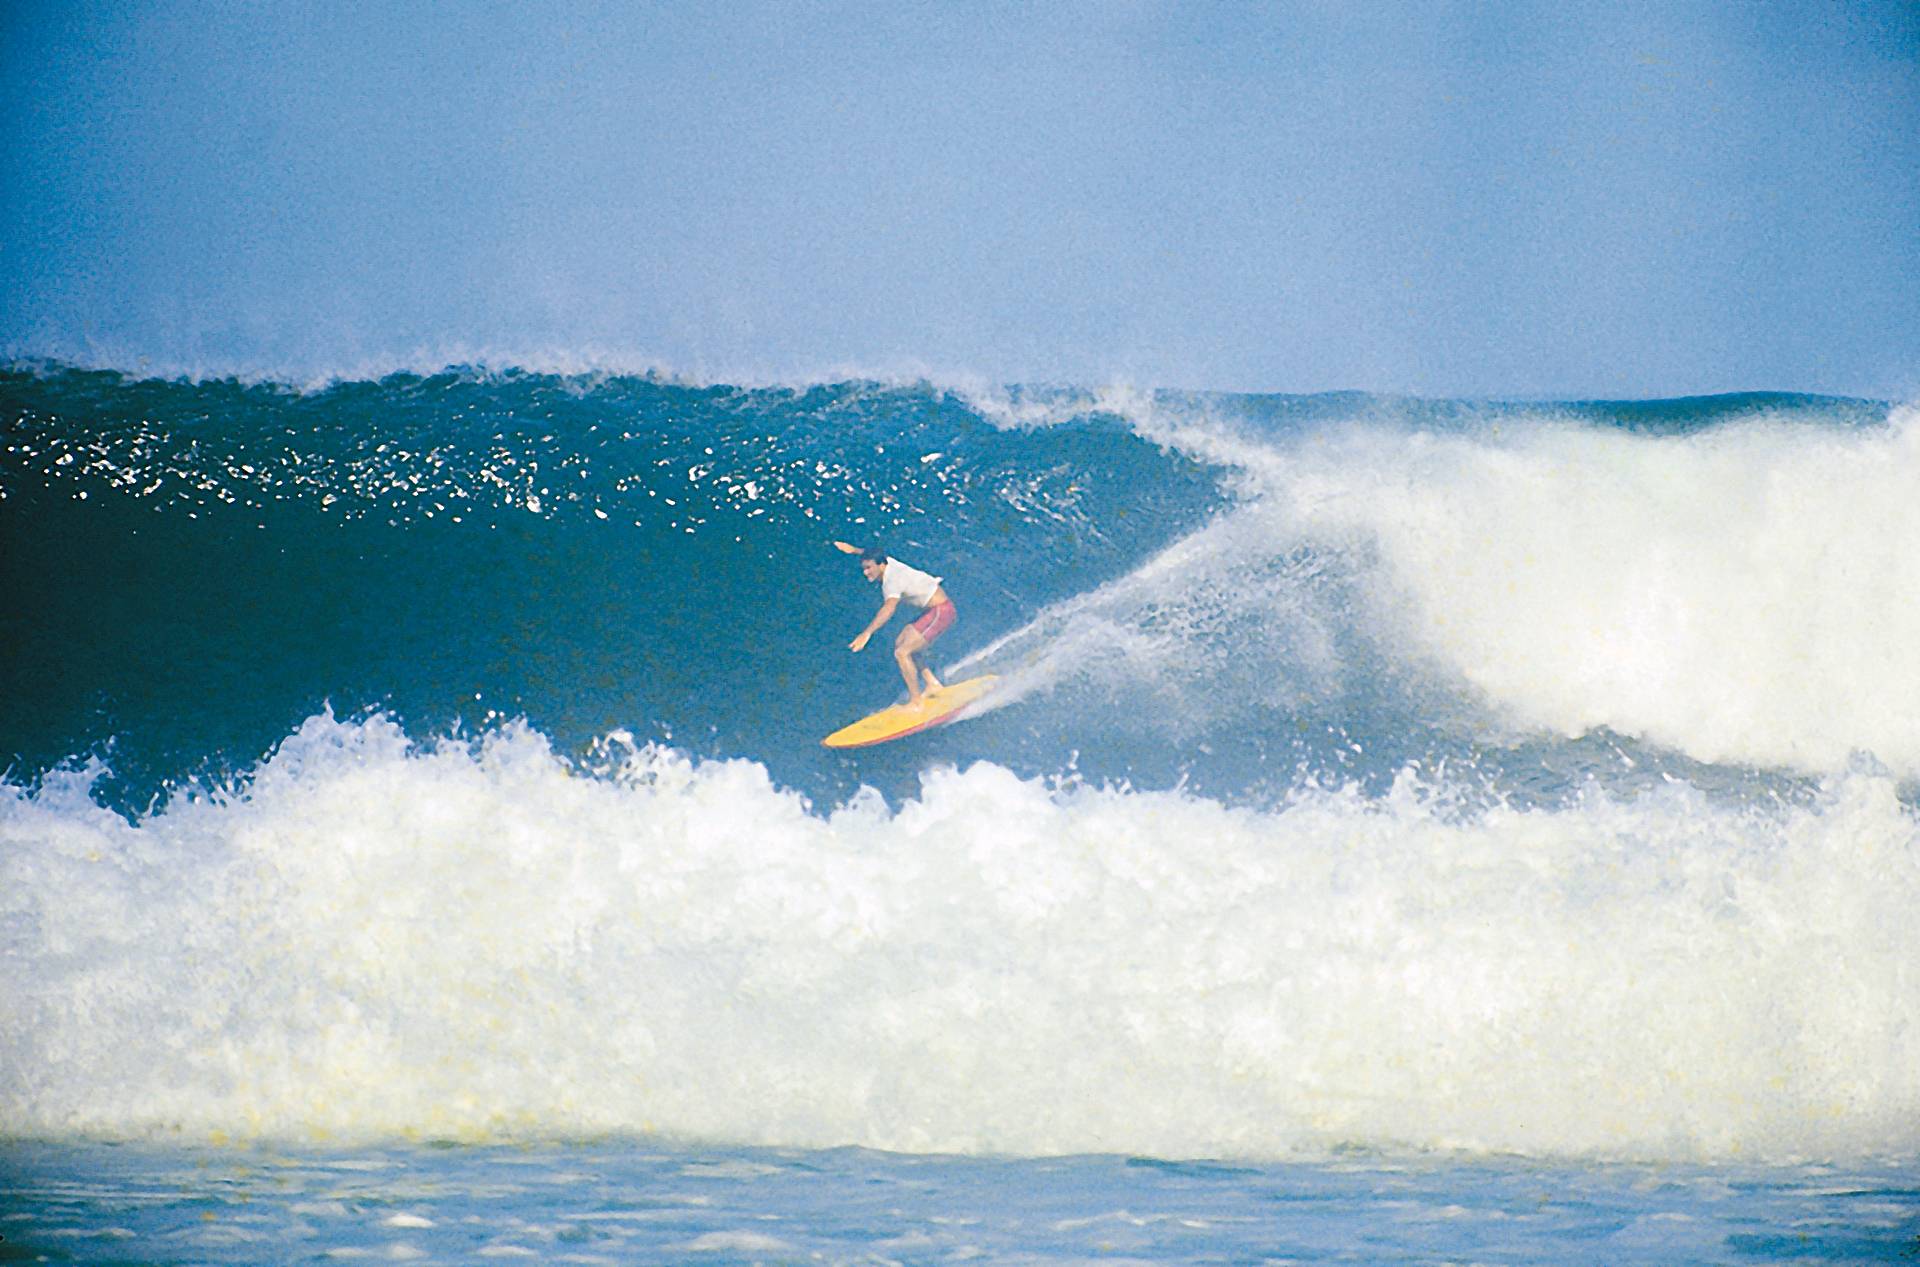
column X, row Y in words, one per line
column 1741, row 594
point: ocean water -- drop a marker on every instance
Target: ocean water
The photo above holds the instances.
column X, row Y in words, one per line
column 1409, row 831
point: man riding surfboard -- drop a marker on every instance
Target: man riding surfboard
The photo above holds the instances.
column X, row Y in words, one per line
column 898, row 581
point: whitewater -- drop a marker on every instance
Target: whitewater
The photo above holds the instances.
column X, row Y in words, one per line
column 1459, row 791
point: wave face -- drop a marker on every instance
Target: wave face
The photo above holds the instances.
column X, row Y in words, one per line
column 207, row 565
column 439, row 756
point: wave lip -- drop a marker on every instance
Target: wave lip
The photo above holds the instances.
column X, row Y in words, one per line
column 382, row 939
column 1729, row 593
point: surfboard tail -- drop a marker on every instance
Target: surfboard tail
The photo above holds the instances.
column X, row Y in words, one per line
column 937, row 708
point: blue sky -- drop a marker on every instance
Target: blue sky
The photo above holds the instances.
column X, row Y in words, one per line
column 1535, row 199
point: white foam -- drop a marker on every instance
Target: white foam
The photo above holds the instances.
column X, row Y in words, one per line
column 389, row 941
column 1743, row 594
column 740, row 1242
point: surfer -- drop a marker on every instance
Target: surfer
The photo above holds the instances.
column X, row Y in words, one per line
column 898, row 581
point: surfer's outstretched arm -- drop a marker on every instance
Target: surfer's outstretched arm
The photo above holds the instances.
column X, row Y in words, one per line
column 844, row 548
column 886, row 613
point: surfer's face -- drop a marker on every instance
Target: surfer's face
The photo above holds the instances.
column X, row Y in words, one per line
column 871, row 570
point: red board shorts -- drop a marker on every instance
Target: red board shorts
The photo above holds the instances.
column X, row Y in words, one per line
column 938, row 620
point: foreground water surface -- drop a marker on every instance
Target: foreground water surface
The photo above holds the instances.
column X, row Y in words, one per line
column 622, row 1203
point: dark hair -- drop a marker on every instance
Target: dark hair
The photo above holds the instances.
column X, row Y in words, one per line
column 874, row 554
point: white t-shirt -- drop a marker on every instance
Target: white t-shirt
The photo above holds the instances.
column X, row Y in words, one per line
column 901, row 581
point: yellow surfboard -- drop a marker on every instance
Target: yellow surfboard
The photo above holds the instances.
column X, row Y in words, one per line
column 936, row 708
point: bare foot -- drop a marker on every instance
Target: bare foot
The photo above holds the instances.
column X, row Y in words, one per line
column 933, row 683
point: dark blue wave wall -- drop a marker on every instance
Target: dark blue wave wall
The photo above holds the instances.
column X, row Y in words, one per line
column 193, row 568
